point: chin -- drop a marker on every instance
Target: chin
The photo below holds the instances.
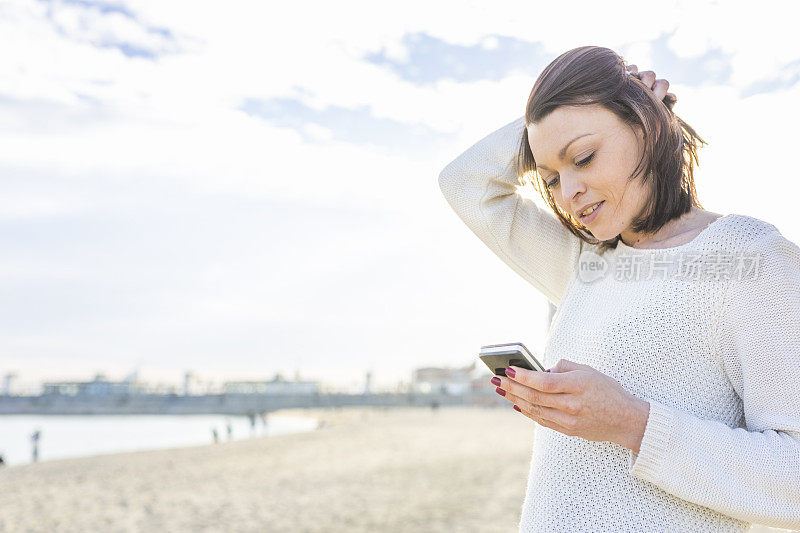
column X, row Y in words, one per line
column 602, row 234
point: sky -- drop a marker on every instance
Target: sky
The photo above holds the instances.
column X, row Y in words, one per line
column 247, row 189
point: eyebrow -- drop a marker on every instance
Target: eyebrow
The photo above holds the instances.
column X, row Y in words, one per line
column 563, row 151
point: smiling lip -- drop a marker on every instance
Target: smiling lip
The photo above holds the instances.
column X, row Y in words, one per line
column 588, row 219
column 587, row 206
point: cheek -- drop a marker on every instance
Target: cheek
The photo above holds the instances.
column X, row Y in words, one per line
column 629, row 197
column 612, row 188
column 639, row 190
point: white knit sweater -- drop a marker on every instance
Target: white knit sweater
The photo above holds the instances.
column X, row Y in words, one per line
column 712, row 342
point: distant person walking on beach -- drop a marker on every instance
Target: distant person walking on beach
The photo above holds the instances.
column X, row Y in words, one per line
column 252, row 417
column 215, row 435
column 35, row 443
column 230, row 430
column 671, row 399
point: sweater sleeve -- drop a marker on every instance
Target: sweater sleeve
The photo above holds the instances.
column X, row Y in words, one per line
column 751, row 474
column 481, row 187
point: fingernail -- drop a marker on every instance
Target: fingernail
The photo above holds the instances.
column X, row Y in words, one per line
column 517, row 408
column 510, row 372
column 496, row 380
column 548, row 370
column 500, row 391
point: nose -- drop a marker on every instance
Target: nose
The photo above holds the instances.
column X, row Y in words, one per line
column 572, row 187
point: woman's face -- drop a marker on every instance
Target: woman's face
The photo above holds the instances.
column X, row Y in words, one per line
column 594, row 168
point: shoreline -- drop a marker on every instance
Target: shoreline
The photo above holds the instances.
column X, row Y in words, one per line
column 326, row 417
column 85, row 436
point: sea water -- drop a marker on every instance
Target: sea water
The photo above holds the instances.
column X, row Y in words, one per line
column 62, row 436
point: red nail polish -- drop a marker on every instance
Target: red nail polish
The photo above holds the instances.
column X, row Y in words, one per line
column 500, row 391
column 510, row 372
column 517, row 408
column 495, row 380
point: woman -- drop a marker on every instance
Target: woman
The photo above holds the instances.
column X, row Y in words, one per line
column 673, row 403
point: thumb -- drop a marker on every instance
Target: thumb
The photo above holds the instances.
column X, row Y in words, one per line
column 565, row 365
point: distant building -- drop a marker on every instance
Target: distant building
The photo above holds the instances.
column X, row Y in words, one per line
column 277, row 385
column 443, row 380
column 100, row 386
column 187, row 383
column 7, row 379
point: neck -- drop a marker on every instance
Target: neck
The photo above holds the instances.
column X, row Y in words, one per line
column 671, row 229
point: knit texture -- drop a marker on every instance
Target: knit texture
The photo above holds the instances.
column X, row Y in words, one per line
column 707, row 332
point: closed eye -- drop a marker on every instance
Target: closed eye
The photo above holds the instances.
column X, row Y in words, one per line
column 581, row 164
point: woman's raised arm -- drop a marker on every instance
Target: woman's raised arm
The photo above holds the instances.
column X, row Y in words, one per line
column 481, row 187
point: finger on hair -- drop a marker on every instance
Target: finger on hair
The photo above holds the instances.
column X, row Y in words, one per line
column 660, row 88
column 648, row 77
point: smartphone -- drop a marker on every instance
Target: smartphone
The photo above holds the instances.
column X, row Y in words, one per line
column 499, row 356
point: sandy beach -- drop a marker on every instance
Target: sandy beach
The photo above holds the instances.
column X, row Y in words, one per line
column 367, row 469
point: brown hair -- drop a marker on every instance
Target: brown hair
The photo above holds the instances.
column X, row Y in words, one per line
column 595, row 75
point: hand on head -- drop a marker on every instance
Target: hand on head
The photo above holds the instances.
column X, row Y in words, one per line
column 658, row 86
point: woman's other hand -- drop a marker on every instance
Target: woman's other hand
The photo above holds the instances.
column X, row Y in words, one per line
column 658, row 86
column 577, row 400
